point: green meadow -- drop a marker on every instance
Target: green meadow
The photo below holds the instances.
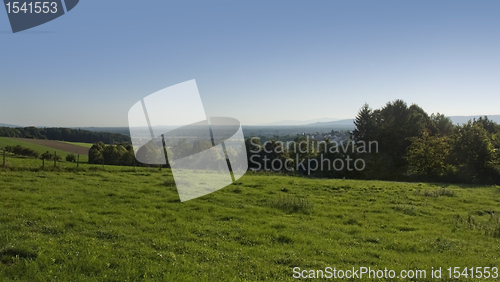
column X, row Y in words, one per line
column 96, row 223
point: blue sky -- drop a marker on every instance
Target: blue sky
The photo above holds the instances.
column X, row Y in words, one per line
column 257, row 61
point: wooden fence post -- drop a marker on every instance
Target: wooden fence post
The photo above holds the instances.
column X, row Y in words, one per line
column 78, row 160
column 55, row 158
column 3, row 157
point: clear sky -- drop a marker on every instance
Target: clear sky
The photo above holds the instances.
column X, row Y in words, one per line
column 257, row 61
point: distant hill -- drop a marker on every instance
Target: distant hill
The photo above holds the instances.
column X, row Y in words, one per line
column 8, row 125
column 118, row 130
column 350, row 122
column 126, row 131
column 296, row 122
column 342, row 122
column 64, row 134
column 465, row 119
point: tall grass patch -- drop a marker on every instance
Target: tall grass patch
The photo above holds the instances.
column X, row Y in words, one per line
column 293, row 204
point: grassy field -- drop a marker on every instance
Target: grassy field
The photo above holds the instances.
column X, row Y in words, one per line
column 121, row 224
column 85, row 145
column 5, row 141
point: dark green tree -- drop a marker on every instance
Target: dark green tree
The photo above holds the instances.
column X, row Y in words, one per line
column 441, row 125
column 490, row 126
column 70, row 158
column 46, row 156
column 392, row 127
column 474, row 154
column 95, row 153
column 427, row 156
column 365, row 125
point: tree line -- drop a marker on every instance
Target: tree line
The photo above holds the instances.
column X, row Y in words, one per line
column 19, row 150
column 410, row 145
column 64, row 134
column 121, row 154
column 416, row 145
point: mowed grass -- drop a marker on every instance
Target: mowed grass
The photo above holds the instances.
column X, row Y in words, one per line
column 5, row 141
column 121, row 224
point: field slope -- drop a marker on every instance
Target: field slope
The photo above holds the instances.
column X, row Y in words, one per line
column 62, row 149
column 121, row 224
column 85, row 145
column 58, row 145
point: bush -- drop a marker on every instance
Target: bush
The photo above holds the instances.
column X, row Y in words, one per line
column 49, row 156
column 121, row 154
column 22, row 151
column 71, row 158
